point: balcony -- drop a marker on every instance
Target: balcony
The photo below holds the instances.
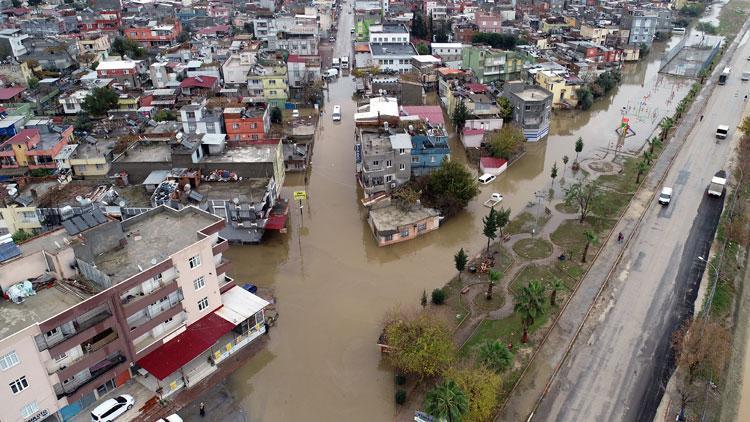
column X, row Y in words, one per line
column 146, row 324
column 221, row 246
column 100, row 350
column 83, row 330
column 132, row 304
column 146, row 343
column 226, row 283
column 223, row 267
column 106, row 366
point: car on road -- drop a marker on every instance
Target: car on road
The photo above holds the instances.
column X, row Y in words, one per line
column 722, row 131
column 487, row 178
column 331, row 38
column 336, row 116
column 112, row 408
column 295, row 113
column 665, row 196
column 351, row 31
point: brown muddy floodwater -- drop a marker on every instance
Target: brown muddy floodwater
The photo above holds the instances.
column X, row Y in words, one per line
column 334, row 284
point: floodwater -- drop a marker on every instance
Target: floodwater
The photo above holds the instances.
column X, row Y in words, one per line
column 334, row 284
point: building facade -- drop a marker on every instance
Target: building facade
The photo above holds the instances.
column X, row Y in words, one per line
column 532, row 107
column 490, row 65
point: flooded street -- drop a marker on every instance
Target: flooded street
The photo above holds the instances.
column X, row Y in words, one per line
column 334, row 284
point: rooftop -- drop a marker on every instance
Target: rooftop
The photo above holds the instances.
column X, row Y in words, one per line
column 151, row 238
column 391, row 218
column 379, row 49
column 262, row 153
column 152, row 153
column 533, row 94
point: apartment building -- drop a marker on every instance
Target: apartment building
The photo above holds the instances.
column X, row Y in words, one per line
column 236, row 68
column 488, row 22
column 34, row 147
column 532, row 106
column 158, row 308
column 268, row 84
column 246, row 125
column 490, row 64
column 155, row 34
column 450, row 53
column 12, row 41
column 383, row 160
column 197, row 118
column 391, row 48
column 124, row 71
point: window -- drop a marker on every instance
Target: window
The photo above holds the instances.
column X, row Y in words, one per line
column 61, row 356
column 29, row 409
column 19, row 385
column 235, row 125
column 203, row 304
column 388, row 163
column 9, row 360
column 401, row 151
column 53, row 332
column 375, row 163
column 422, row 227
column 388, row 237
column 195, row 261
column 402, row 166
column 388, row 178
column 199, row 283
column 405, row 233
column 432, row 159
column 414, row 159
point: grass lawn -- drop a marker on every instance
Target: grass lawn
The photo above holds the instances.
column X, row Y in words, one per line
column 611, row 204
column 481, row 304
column 453, row 301
column 523, row 223
column 502, row 257
column 533, row 248
column 570, row 235
column 569, row 271
column 625, row 181
column 567, row 209
column 541, row 273
column 507, row 330
column 732, row 16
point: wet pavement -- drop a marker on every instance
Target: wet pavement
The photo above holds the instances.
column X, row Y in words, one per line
column 334, row 284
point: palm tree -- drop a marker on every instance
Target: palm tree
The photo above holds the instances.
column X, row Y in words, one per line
column 460, row 259
column 494, row 355
column 655, row 143
column 490, row 227
column 648, row 157
column 590, row 239
column 529, row 304
column 493, row 278
column 666, row 125
column 642, row 168
column 447, row 401
column 555, row 286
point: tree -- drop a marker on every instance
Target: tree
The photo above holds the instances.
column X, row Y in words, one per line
column 164, row 115
column 460, row 115
column 127, row 47
column 423, row 49
column 642, row 168
column 418, row 26
column 33, row 3
column 99, row 101
column 423, row 300
column 406, row 196
column 21, row 236
column 449, row 188
column 528, row 303
column 502, row 218
column 585, row 194
column 32, row 82
column 578, row 148
column 496, row 40
column 507, row 142
column 460, row 259
column 481, row 386
column 494, row 355
column 654, row 144
column 555, row 286
column 183, row 37
column 275, row 115
column 505, row 108
column 666, row 125
column 565, row 160
column 591, row 238
column 553, row 173
column 438, row 296
column 447, row 401
column 745, row 126
column 490, row 227
column 585, row 98
column 419, row 345
column 492, row 278
column 83, row 122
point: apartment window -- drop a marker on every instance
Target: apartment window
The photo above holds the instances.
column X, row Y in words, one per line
column 405, row 233
column 375, row 163
column 388, row 238
column 195, row 261
column 61, row 356
column 402, row 166
column 422, row 227
column 199, row 283
column 388, row 178
column 388, row 163
column 432, row 159
column 414, row 159
column 253, row 125
column 203, row 304
column 8, row 360
column 29, row 409
column 235, row 125
column 53, row 332
column 401, row 151
column 19, row 385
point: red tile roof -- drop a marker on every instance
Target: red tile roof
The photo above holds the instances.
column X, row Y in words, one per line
column 293, row 58
column 433, row 113
column 492, row 163
column 468, row 131
column 477, row 88
column 10, row 92
column 177, row 352
column 199, row 82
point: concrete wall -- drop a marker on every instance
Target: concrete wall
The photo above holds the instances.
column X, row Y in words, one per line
column 34, row 265
column 207, row 270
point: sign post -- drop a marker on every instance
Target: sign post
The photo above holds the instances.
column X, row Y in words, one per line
column 299, row 196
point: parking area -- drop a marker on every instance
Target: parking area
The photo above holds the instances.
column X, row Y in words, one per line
column 140, row 393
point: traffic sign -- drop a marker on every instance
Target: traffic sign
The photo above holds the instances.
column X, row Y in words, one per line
column 299, row 195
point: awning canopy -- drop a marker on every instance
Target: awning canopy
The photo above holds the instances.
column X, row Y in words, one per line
column 186, row 346
column 239, row 305
column 276, row 222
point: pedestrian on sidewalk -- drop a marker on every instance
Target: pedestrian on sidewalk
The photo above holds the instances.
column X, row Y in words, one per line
column 620, row 237
column 701, row 117
column 202, row 409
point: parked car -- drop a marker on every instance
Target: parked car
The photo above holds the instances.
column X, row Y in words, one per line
column 295, row 113
column 486, row 178
column 336, row 116
column 665, row 196
column 174, row 417
column 112, row 408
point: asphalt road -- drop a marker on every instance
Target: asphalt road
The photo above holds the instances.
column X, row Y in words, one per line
column 620, row 362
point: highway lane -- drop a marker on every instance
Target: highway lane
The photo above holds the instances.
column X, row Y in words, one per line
column 619, row 363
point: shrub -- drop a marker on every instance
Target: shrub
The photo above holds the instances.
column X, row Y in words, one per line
column 438, row 296
column 400, row 396
column 400, row 379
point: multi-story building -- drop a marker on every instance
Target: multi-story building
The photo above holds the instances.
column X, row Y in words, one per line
column 490, row 64
column 390, row 47
column 268, row 84
column 49, row 25
column 450, row 53
column 124, row 71
column 12, row 41
column 197, row 118
column 532, row 106
column 91, row 159
column 97, row 46
column 642, row 25
column 383, row 160
column 34, row 148
column 488, row 22
column 72, row 102
column 236, row 68
column 562, row 85
column 101, row 21
column 302, row 70
column 246, row 125
column 155, row 34
column 429, row 149
column 161, row 304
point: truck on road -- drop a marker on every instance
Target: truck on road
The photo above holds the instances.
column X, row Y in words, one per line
column 718, row 182
column 724, row 75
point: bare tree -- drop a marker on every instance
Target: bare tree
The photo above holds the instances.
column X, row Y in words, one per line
column 584, row 194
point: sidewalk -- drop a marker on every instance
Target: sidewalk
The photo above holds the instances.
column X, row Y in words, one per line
column 534, row 383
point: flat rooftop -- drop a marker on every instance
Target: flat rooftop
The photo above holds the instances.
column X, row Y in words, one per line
column 248, row 191
column 391, row 218
column 153, row 153
column 392, row 49
column 533, row 94
column 151, row 238
column 246, row 154
column 34, row 309
column 99, row 149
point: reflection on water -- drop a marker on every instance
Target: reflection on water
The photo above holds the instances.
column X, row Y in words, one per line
column 334, row 284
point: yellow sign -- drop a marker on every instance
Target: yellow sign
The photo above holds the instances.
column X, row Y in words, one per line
column 300, row 195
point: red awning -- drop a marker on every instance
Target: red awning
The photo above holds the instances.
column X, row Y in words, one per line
column 196, row 339
column 276, row 222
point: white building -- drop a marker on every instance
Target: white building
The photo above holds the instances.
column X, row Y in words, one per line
column 73, row 102
column 236, row 68
column 450, row 53
column 13, row 40
column 391, row 47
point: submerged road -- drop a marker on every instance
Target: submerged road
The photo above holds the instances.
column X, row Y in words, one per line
column 620, row 362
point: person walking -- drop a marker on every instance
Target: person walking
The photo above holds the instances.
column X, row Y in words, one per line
column 620, row 237
column 202, row 409
column 701, row 117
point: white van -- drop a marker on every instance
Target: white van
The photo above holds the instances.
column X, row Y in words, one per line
column 336, row 116
column 722, row 131
column 486, row 178
column 665, row 196
column 345, row 62
column 112, row 408
column 335, row 63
